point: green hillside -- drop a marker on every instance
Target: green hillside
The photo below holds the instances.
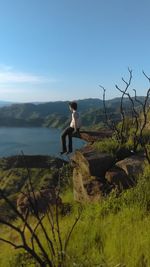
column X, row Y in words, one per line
column 56, row 114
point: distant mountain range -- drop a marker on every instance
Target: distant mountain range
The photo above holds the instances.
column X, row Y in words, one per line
column 5, row 103
column 57, row 114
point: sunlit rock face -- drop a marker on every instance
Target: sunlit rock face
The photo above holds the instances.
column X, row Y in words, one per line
column 89, row 171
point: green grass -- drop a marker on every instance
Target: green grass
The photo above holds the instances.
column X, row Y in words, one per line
column 108, row 145
column 116, row 239
column 121, row 239
column 111, row 233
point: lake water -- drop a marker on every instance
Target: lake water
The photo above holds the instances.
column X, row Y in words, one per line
column 32, row 141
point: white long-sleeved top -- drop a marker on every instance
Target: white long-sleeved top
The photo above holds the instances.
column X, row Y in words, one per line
column 76, row 120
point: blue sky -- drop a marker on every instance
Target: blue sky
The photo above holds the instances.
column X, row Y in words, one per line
column 63, row 49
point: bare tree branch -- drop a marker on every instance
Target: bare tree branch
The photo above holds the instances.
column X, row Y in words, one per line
column 22, row 235
column 146, row 75
column 72, row 228
column 11, row 243
column 110, row 123
column 127, row 83
column 34, row 230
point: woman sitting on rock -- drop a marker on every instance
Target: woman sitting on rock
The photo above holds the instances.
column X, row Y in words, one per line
column 72, row 129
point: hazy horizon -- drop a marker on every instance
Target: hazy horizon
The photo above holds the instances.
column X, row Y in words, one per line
column 80, row 99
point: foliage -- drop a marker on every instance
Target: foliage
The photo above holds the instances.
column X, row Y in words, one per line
column 109, row 145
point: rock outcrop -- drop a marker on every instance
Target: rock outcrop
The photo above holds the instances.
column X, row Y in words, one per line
column 132, row 166
column 90, row 167
column 95, row 173
column 92, row 136
column 125, row 172
column 118, row 177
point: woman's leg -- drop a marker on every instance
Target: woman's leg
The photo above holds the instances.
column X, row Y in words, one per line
column 68, row 131
column 70, row 139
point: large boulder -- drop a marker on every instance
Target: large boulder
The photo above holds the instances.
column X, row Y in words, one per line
column 89, row 189
column 92, row 162
column 118, row 177
column 132, row 166
column 89, row 171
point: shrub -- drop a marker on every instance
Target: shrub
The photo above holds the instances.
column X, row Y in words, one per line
column 107, row 145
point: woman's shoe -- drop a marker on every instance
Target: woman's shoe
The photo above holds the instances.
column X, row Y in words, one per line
column 63, row 152
column 68, row 152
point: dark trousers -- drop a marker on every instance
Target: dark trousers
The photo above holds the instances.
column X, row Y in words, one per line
column 67, row 132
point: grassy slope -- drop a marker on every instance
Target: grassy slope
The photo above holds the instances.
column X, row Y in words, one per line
column 113, row 233
column 122, row 239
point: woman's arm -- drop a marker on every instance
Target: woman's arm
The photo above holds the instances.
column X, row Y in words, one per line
column 75, row 118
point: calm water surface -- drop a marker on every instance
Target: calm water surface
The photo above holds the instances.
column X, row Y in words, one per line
column 32, row 141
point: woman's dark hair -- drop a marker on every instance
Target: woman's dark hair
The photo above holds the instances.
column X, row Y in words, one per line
column 73, row 105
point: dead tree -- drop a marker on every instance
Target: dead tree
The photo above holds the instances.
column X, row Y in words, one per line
column 144, row 113
column 55, row 253
column 135, row 115
column 139, row 118
column 109, row 123
column 123, row 136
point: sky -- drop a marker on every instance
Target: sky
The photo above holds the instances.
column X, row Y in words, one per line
column 64, row 49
